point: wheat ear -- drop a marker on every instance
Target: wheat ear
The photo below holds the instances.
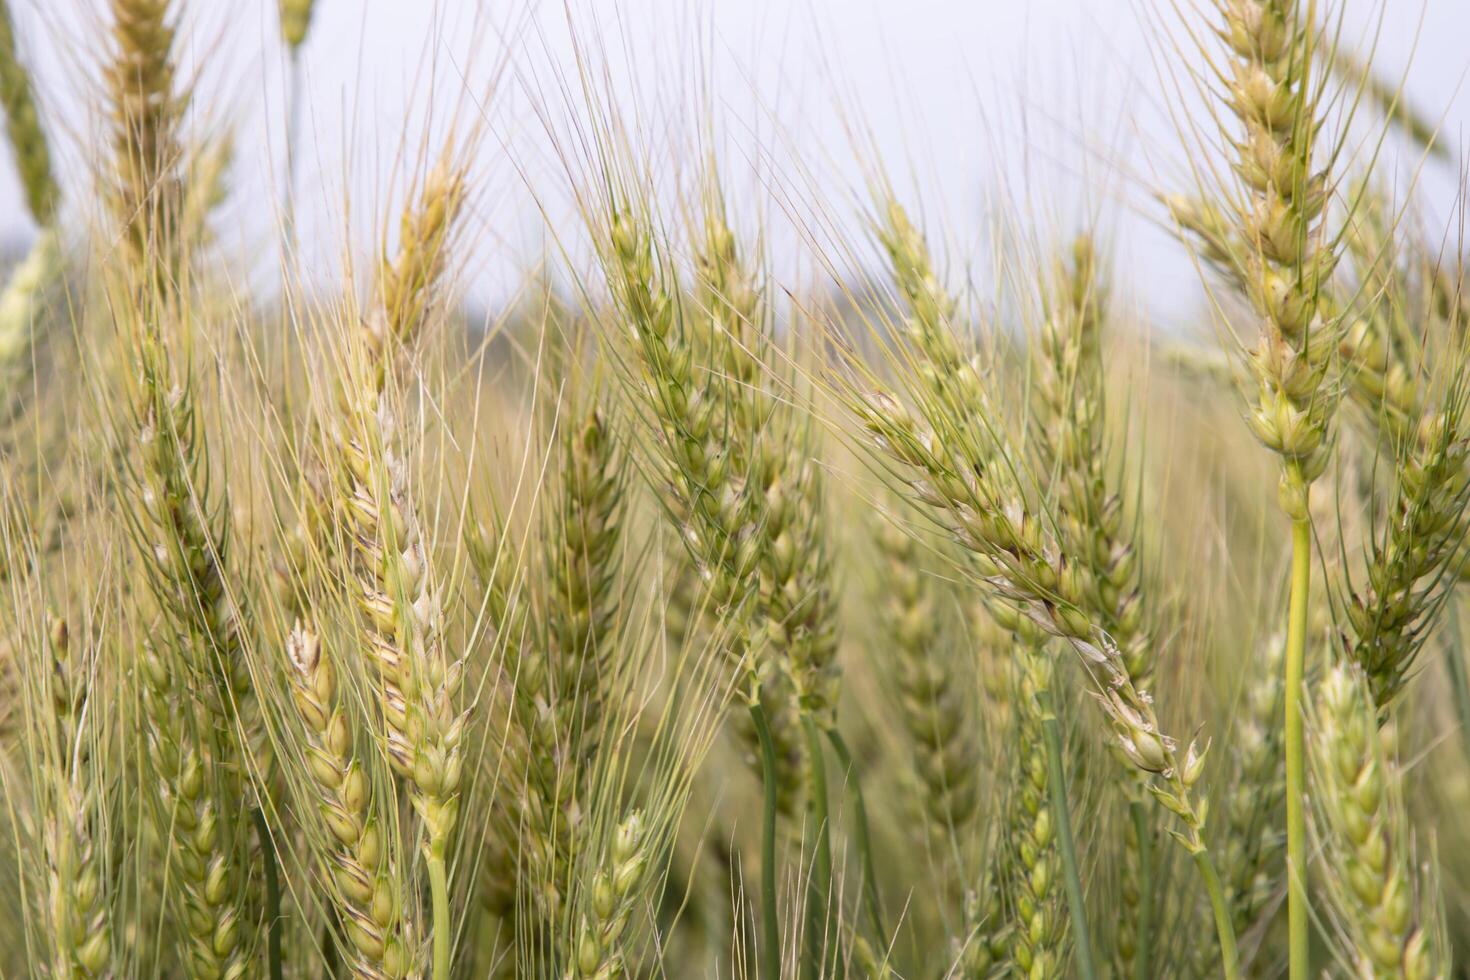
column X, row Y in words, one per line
column 1362, row 830
column 23, row 125
column 1038, row 927
column 147, row 186
column 1070, row 423
column 931, row 698
column 360, row 874
column 955, row 462
column 295, row 21
column 187, row 748
column 1252, row 843
column 612, row 898
column 81, row 919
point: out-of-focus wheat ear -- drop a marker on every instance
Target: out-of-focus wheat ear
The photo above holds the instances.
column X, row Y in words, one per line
column 22, row 304
column 1385, row 369
column 1391, row 101
column 408, row 279
column 1382, row 915
column 866, row 961
column 1251, row 846
column 360, row 875
column 932, row 700
column 797, row 587
column 80, row 890
column 147, row 186
column 564, row 677
column 31, row 281
column 583, row 578
column 206, row 185
column 23, row 125
column 295, row 21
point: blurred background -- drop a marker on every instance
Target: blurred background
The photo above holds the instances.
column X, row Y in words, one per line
column 1037, row 115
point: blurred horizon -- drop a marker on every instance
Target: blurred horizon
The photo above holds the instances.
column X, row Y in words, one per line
column 1002, row 124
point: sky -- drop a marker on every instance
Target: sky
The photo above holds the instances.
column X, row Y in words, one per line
column 1039, row 118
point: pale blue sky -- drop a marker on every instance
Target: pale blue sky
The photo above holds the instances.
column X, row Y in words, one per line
column 1058, row 105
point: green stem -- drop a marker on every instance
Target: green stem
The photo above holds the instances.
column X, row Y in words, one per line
column 331, row 963
column 864, row 838
column 770, row 939
column 1229, row 958
column 821, row 946
column 1297, row 911
column 1057, row 779
column 272, row 894
column 1143, row 956
column 439, row 891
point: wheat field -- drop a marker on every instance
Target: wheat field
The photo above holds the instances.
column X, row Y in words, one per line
column 684, row 618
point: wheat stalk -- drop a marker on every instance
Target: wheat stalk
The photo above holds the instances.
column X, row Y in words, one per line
column 1287, row 261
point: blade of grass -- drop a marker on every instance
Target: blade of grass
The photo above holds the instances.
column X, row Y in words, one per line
column 770, row 938
column 871, row 898
column 1067, row 844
